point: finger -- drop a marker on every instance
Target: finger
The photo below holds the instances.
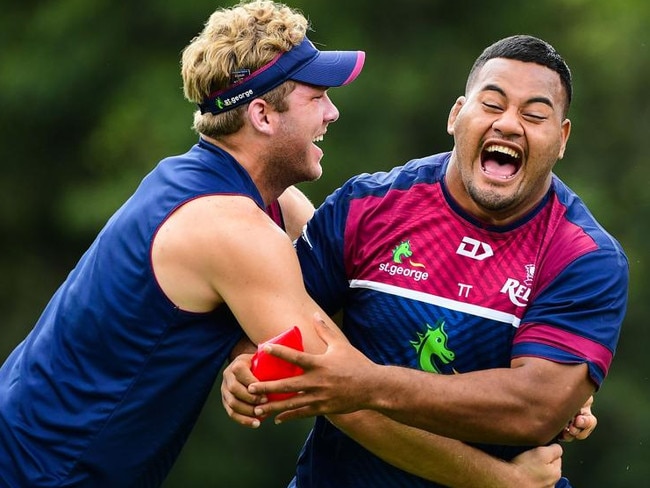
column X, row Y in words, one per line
column 238, row 403
column 286, row 385
column 235, row 385
column 235, row 396
column 589, row 423
column 302, row 359
column 234, row 405
column 557, row 459
column 298, row 401
column 245, row 420
column 296, row 414
column 583, row 426
column 565, row 436
column 556, row 466
column 241, row 369
column 582, row 422
column 580, row 428
column 555, row 451
column 570, row 432
column 240, row 412
column 328, row 334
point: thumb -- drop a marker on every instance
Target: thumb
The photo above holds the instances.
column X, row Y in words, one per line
column 555, row 452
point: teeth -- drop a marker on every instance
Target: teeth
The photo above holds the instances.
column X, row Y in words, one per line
column 503, row 150
column 318, row 139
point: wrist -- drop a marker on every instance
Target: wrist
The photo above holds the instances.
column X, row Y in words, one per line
column 511, row 475
column 384, row 390
column 375, row 392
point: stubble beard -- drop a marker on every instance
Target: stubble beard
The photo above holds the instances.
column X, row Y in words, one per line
column 489, row 199
column 287, row 167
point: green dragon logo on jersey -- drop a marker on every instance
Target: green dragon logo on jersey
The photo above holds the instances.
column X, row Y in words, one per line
column 431, row 347
column 403, row 250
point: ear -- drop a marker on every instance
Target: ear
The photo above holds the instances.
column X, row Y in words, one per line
column 566, row 131
column 260, row 115
column 453, row 114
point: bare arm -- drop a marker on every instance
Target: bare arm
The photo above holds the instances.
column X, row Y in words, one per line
column 225, row 250
column 260, row 301
column 456, row 464
column 527, row 404
column 296, row 211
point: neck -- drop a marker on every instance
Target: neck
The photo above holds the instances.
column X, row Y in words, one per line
column 248, row 157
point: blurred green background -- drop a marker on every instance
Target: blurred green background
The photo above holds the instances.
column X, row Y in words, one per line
column 91, row 99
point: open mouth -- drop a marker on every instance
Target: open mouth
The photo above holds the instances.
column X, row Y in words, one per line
column 500, row 161
column 318, row 139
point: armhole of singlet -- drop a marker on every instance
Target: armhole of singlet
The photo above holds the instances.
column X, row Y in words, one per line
column 275, row 212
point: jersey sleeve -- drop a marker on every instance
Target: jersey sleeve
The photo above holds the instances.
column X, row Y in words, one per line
column 577, row 318
column 320, row 250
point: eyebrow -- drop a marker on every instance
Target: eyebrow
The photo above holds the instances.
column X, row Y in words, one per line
column 496, row 88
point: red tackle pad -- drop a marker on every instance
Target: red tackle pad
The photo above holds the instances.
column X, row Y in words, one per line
column 266, row 367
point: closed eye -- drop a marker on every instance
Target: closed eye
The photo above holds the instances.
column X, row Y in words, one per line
column 492, row 106
column 535, row 117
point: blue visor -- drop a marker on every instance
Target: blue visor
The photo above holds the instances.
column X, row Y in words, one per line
column 303, row 63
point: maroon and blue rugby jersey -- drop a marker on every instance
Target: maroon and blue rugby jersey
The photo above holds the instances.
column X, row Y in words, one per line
column 106, row 388
column 425, row 285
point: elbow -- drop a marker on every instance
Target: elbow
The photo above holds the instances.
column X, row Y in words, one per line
column 539, row 427
column 542, row 434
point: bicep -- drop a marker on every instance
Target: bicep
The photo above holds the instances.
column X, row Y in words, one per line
column 262, row 284
column 562, row 388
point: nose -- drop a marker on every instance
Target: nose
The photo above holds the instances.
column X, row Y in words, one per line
column 508, row 123
column 331, row 113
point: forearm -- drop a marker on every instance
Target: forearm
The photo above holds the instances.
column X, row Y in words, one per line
column 516, row 407
column 527, row 404
column 468, row 411
column 445, row 461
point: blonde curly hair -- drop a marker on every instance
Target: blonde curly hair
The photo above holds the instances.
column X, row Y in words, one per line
column 246, row 36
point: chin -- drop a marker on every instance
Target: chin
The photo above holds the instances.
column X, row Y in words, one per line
column 316, row 173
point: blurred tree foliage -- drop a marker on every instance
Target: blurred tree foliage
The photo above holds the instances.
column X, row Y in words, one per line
column 91, row 99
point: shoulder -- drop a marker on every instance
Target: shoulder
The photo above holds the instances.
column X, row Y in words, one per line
column 427, row 170
column 219, row 219
column 210, row 241
column 579, row 220
column 578, row 249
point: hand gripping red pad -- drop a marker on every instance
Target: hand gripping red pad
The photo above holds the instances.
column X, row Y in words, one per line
column 266, row 367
